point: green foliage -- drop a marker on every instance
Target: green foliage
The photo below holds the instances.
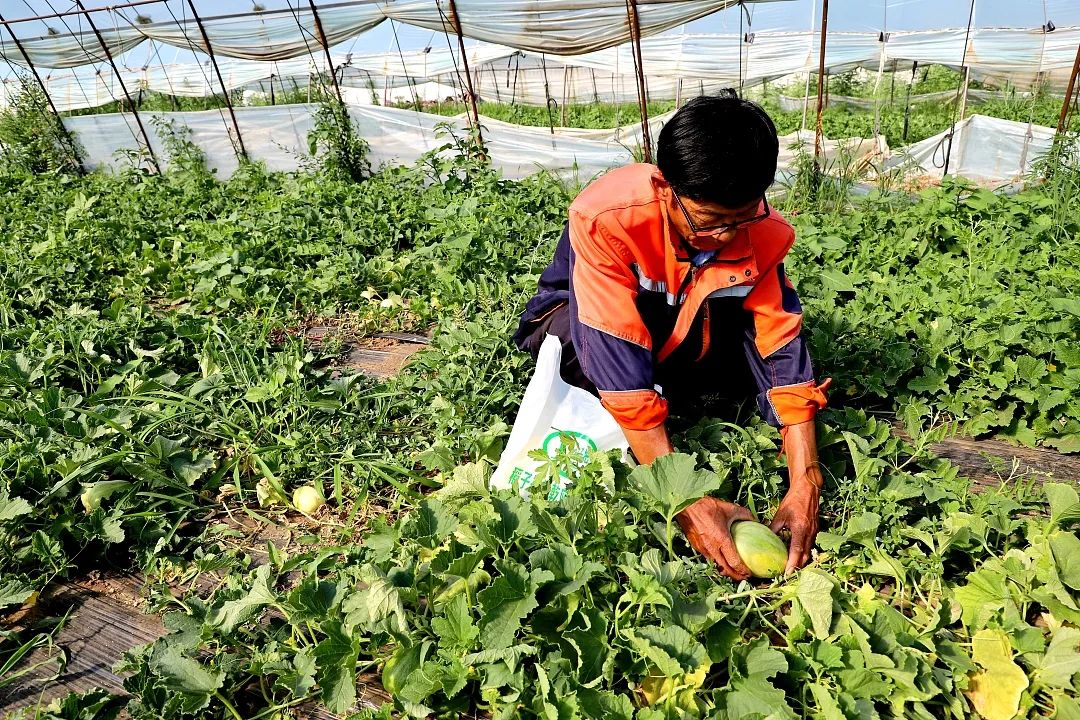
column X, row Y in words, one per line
column 969, row 321
column 33, row 139
column 152, row 352
column 578, row 609
column 335, row 140
column 596, row 115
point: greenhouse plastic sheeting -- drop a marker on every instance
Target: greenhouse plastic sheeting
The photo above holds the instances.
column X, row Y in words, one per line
column 275, row 35
column 945, row 96
column 278, row 137
column 985, row 149
column 67, row 50
column 561, row 27
column 676, row 66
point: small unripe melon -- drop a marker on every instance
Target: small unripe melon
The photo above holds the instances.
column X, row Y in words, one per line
column 307, row 499
column 761, row 550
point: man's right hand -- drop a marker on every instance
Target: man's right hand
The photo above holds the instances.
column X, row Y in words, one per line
column 707, row 525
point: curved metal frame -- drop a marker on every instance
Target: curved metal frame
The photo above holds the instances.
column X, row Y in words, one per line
column 123, row 85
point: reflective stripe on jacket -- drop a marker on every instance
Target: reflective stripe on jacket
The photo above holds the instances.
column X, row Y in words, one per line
column 634, row 297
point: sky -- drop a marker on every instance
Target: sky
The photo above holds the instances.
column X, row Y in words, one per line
column 844, row 15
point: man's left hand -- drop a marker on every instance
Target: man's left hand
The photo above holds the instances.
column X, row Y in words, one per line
column 798, row 511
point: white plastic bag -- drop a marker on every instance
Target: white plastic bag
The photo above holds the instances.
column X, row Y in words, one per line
column 551, row 407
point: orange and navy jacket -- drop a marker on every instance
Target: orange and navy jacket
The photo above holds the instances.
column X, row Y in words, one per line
column 635, row 295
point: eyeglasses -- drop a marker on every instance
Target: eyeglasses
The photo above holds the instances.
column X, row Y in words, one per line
column 713, row 231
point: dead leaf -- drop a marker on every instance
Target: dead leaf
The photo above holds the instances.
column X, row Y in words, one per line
column 995, row 691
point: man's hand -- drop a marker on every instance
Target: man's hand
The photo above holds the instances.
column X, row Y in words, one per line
column 707, row 525
column 798, row 511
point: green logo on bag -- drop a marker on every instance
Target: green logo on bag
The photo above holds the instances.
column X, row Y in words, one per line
column 553, row 442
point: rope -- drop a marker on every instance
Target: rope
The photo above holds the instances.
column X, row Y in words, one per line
column 453, row 57
column 405, row 69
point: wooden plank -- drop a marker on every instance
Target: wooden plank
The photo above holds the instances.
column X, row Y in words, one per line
column 101, row 628
column 105, row 623
column 990, row 462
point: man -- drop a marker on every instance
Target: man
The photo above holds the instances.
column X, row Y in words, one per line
column 668, row 284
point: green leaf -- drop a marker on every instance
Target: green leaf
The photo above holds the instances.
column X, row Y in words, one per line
column 513, row 520
column 467, row 482
column 760, row 660
column 1029, row 369
column 570, row 570
column 1056, row 667
column 836, row 280
column 931, row 381
column 1064, row 503
column 300, row 677
column 335, row 658
column 14, row 592
column 827, row 707
column 985, row 593
column 431, row 523
column 509, row 599
column 672, row 650
column 1066, row 549
column 1067, row 305
column 189, row 467
column 12, row 508
column 190, row 677
column 233, row 612
column 756, row 696
column 314, row 599
column 455, row 627
column 671, row 483
column 376, row 607
column 815, row 594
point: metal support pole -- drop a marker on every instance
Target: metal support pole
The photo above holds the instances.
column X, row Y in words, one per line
column 52, row 106
column 326, row 49
column 907, row 102
column 741, row 36
column 1069, row 93
column 474, row 112
column 635, row 39
column 892, row 85
column 272, row 89
column 238, row 147
column 495, row 84
column 820, row 82
column 123, row 85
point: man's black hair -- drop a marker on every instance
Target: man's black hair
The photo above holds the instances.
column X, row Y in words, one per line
column 719, row 149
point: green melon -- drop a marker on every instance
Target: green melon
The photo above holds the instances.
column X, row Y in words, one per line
column 761, row 550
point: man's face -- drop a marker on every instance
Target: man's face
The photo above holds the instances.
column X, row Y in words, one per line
column 706, row 215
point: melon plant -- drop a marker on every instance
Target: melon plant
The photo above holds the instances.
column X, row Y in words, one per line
column 761, row 550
